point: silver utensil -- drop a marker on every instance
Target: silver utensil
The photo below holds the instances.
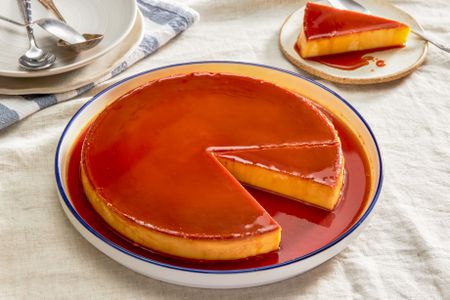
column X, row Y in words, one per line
column 91, row 40
column 69, row 37
column 353, row 5
column 35, row 58
column 54, row 27
column 50, row 5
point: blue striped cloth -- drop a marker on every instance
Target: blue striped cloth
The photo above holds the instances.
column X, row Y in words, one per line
column 162, row 21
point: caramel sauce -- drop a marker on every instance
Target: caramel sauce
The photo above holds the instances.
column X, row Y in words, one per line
column 380, row 63
column 305, row 228
column 349, row 60
column 345, row 61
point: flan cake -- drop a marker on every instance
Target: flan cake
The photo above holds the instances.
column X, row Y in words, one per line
column 328, row 30
column 159, row 164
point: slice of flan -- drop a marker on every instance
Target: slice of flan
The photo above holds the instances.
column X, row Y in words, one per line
column 150, row 164
column 309, row 173
column 327, row 30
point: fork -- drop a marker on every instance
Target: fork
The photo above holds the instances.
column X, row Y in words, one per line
column 353, row 5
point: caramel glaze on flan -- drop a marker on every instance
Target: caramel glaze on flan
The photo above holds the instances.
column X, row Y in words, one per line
column 162, row 164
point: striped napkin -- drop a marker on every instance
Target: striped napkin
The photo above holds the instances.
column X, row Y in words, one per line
column 163, row 20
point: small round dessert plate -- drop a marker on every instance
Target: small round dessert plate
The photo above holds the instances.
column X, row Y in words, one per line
column 114, row 19
column 78, row 78
column 398, row 62
column 310, row 235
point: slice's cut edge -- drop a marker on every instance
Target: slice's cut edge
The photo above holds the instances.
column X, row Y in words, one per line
column 376, row 39
column 296, row 184
column 184, row 247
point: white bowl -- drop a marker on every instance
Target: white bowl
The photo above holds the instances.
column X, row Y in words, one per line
column 219, row 278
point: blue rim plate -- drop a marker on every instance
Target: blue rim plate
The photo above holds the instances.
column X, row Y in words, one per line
column 65, row 199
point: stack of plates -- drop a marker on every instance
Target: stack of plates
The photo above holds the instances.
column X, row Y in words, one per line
column 118, row 20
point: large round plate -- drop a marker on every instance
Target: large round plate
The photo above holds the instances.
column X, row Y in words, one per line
column 113, row 18
column 399, row 62
column 78, row 78
column 198, row 275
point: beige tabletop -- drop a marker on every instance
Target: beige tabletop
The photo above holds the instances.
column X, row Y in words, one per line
column 402, row 253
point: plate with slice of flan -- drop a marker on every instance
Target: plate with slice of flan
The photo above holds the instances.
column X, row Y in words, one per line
column 353, row 47
column 203, row 174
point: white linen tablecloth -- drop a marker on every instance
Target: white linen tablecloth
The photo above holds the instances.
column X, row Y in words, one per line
column 403, row 253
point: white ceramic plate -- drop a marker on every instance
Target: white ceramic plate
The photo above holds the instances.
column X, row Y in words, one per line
column 113, row 18
column 77, row 78
column 399, row 62
column 169, row 270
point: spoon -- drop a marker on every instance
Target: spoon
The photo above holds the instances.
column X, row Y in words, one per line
column 50, row 5
column 35, row 58
column 91, row 40
column 353, row 5
column 55, row 27
column 69, row 37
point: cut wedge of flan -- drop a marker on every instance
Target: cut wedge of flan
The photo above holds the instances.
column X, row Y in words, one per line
column 164, row 164
column 327, row 30
column 308, row 173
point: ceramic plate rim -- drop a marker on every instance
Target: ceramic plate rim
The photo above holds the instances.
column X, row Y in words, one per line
column 348, row 232
column 77, row 65
column 322, row 73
